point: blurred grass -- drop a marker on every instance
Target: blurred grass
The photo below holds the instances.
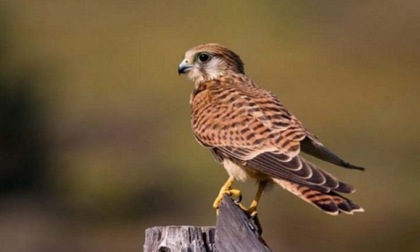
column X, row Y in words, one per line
column 107, row 118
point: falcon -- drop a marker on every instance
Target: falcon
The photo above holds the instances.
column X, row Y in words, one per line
column 250, row 132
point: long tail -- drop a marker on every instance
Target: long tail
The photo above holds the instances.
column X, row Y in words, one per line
column 331, row 202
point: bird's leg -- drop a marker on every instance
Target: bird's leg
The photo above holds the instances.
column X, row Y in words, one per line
column 252, row 210
column 227, row 190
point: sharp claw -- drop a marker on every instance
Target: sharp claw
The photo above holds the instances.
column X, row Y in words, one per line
column 254, row 218
column 239, row 199
column 230, row 192
column 253, row 214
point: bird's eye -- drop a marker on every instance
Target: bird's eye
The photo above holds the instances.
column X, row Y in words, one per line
column 203, row 57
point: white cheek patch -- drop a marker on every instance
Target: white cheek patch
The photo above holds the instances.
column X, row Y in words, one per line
column 211, row 70
column 214, row 68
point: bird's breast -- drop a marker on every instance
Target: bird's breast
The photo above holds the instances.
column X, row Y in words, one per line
column 242, row 172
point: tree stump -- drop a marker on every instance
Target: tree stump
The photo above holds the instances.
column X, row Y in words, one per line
column 180, row 238
column 234, row 231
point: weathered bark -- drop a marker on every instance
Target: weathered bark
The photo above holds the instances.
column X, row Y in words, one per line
column 180, row 238
column 234, row 231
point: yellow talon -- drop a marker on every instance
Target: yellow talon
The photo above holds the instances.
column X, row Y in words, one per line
column 230, row 192
column 252, row 209
column 227, row 190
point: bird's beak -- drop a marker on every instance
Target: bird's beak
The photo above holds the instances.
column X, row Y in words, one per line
column 184, row 67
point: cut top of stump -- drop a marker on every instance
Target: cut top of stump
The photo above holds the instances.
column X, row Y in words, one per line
column 234, row 232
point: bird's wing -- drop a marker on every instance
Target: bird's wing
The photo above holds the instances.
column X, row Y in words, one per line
column 312, row 146
column 250, row 126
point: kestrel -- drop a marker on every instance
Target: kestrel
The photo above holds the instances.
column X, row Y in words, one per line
column 254, row 136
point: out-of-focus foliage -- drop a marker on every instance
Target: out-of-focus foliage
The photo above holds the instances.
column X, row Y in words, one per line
column 95, row 141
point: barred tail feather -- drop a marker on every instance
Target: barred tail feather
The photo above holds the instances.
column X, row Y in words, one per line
column 330, row 202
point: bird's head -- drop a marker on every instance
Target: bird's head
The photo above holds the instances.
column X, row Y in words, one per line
column 209, row 61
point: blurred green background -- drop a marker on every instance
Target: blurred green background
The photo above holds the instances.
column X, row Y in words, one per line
column 95, row 139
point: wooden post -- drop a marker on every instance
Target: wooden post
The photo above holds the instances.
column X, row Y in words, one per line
column 234, row 231
column 179, row 238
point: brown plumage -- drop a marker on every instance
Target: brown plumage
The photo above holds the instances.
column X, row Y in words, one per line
column 253, row 135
